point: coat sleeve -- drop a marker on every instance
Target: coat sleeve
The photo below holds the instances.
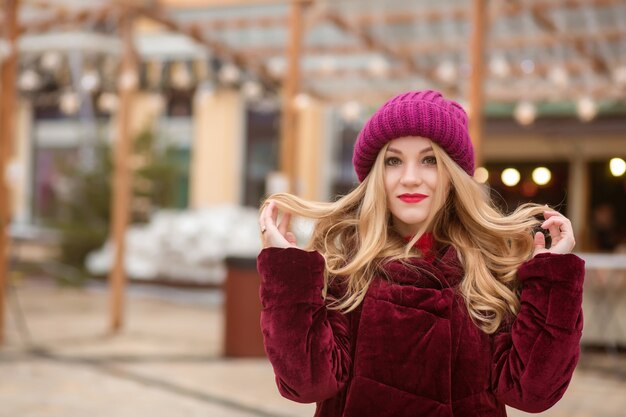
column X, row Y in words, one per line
column 306, row 343
column 535, row 359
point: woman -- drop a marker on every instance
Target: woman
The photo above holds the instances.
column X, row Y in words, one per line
column 416, row 297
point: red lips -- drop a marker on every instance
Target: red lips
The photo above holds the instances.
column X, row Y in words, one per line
column 412, row 198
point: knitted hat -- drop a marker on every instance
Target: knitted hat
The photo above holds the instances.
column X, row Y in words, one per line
column 417, row 113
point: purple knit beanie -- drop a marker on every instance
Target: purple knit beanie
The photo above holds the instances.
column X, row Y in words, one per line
column 417, row 113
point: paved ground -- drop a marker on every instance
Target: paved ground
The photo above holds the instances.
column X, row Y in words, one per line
column 168, row 361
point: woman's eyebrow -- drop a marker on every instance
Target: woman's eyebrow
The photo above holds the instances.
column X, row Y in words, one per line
column 394, row 150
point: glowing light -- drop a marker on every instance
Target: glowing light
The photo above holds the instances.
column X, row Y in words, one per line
column 542, row 175
column 510, row 177
column 51, row 60
column 378, row 67
column 525, row 112
column 619, row 75
column 128, row 80
column 447, row 72
column 90, row 81
column 276, row 67
column 69, row 102
column 558, row 76
column 499, row 66
column 252, row 90
column 229, row 74
column 180, row 76
column 351, row 111
column 302, row 101
column 617, row 166
column 29, row 80
column 108, row 102
column 481, row 175
column 587, row 109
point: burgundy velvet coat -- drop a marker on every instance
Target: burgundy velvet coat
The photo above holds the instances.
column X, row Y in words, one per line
column 410, row 348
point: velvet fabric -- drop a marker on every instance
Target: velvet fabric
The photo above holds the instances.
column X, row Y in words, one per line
column 410, row 348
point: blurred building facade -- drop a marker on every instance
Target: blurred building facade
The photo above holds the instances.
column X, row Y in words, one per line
column 554, row 90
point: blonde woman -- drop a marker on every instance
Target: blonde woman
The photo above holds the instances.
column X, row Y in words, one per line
column 415, row 296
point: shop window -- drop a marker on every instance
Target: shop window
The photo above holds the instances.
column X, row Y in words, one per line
column 607, row 195
column 262, row 144
column 509, row 197
column 344, row 178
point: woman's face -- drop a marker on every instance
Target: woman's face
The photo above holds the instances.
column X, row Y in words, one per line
column 411, row 178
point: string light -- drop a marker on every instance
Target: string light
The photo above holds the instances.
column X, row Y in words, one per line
column 351, row 111
column 29, row 80
column 90, row 81
column 481, row 175
column 252, row 90
column 541, row 175
column 499, row 66
column 447, row 72
column 558, row 76
column 510, row 177
column 617, row 167
column 108, row 102
column 229, row 74
column 525, row 113
column 301, row 101
column 128, row 80
column 587, row 109
column 378, row 67
column 69, row 102
column 51, row 61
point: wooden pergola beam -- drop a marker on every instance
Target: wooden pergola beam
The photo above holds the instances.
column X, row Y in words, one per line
column 242, row 23
column 196, row 33
column 290, row 87
column 376, row 45
column 477, row 75
column 573, row 67
column 121, row 181
column 508, row 95
column 393, row 17
column 608, row 35
column 8, row 98
column 64, row 17
column 544, row 21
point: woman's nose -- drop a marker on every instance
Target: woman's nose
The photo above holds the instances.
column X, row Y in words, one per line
column 410, row 175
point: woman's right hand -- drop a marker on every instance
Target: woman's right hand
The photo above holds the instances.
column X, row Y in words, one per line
column 273, row 234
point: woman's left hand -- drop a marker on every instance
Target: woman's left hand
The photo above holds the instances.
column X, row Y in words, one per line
column 561, row 233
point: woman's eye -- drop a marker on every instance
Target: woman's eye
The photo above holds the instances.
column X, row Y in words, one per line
column 429, row 160
column 392, row 161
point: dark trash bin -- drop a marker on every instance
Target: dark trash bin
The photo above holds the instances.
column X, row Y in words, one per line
column 242, row 309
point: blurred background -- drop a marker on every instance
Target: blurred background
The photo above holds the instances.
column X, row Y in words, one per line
column 139, row 137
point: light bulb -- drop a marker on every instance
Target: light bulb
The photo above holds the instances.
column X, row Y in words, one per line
column 481, row 175
column 587, row 109
column 541, row 175
column 525, row 112
column 510, row 177
column 617, row 167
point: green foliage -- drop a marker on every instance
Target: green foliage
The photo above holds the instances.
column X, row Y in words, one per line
column 84, row 213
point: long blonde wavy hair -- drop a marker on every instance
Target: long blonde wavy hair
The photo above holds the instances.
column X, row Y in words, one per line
column 356, row 237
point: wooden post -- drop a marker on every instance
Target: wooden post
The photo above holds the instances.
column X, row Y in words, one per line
column 120, row 203
column 8, row 74
column 477, row 43
column 291, row 83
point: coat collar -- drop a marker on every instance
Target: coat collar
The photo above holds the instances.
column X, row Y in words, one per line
column 438, row 268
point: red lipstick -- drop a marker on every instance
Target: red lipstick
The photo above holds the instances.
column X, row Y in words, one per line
column 412, row 198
